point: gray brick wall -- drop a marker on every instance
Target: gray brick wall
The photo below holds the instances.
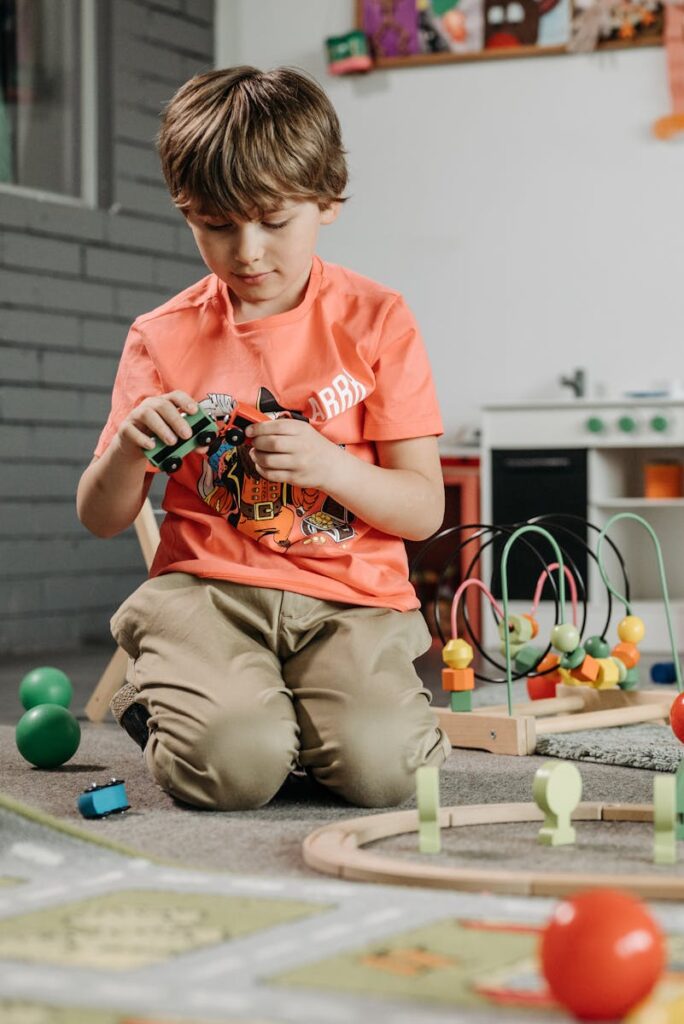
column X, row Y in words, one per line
column 71, row 281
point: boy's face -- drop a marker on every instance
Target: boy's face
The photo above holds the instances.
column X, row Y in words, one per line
column 265, row 263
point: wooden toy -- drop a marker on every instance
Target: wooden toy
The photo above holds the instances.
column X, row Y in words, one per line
column 664, row 819
column 338, row 849
column 679, row 801
column 427, row 798
column 169, row 457
column 601, row 954
column 599, row 685
column 45, row 685
column 47, row 735
column 557, row 790
column 101, row 800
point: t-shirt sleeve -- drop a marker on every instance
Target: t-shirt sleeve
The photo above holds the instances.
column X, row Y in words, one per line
column 136, row 378
column 403, row 403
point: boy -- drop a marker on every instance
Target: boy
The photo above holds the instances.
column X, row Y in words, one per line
column 278, row 626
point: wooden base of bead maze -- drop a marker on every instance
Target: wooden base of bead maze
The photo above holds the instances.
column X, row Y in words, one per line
column 572, row 709
column 337, row 850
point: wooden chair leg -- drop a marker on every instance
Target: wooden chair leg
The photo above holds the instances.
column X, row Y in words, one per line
column 115, row 674
column 111, row 679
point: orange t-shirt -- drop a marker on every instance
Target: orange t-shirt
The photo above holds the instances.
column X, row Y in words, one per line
column 351, row 360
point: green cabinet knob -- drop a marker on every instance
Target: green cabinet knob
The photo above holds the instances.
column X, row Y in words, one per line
column 595, row 424
column 627, row 424
column 659, row 423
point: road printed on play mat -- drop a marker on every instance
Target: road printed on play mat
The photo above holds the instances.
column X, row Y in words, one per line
column 92, row 935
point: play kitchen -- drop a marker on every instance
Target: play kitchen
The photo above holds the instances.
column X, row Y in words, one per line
column 590, row 459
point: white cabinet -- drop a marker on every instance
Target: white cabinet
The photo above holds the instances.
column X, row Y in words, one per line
column 620, row 439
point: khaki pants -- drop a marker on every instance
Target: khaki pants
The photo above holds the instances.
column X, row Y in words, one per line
column 242, row 683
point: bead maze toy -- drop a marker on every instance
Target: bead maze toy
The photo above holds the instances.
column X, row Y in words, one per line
column 594, row 682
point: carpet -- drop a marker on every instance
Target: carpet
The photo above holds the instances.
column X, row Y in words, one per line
column 92, row 933
column 265, row 841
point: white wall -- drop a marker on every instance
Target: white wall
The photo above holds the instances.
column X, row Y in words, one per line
column 522, row 206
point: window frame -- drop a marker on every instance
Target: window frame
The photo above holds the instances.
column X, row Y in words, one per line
column 90, row 119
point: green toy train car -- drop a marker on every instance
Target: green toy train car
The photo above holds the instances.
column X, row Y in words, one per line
column 169, row 457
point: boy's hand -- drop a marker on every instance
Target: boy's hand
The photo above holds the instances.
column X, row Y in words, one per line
column 292, row 451
column 159, row 415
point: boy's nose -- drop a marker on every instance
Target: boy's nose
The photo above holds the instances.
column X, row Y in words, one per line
column 249, row 247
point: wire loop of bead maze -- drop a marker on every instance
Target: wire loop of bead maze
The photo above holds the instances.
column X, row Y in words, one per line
column 514, row 729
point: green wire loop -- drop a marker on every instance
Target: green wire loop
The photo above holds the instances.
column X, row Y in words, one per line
column 529, row 528
column 663, row 581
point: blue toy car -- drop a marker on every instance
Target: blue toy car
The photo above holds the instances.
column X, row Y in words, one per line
column 99, row 801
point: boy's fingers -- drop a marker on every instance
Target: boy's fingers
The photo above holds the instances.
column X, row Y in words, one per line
column 183, row 400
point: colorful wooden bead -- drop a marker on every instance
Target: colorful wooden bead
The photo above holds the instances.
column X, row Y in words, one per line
column 565, row 637
column 608, row 675
column 627, row 653
column 622, row 670
column 457, row 653
column 458, row 679
column 573, row 659
column 597, row 647
column 534, row 623
column 527, row 658
column 587, row 671
column 519, row 628
column 631, row 629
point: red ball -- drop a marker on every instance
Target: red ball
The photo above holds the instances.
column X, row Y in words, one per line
column 601, row 954
column 677, row 716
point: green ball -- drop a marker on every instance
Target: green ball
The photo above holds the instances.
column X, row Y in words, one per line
column 597, row 647
column 48, row 735
column 565, row 637
column 45, row 686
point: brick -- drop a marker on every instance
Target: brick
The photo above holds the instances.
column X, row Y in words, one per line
column 105, row 335
column 53, row 405
column 133, row 302
column 96, row 371
column 185, row 242
column 110, row 265
column 139, row 232
column 38, row 557
column 39, row 328
column 147, row 199
column 57, row 293
column 178, row 274
column 15, row 210
column 132, row 84
column 17, row 364
column 41, row 518
column 135, row 124
column 38, row 253
column 137, row 161
column 26, row 479
column 68, row 219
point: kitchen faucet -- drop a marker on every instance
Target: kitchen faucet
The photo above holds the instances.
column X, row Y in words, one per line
column 578, row 383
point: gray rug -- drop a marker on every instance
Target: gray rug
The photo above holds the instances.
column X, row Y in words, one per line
column 651, row 745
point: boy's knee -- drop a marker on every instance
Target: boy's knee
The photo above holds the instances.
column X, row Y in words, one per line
column 233, row 764
column 376, row 767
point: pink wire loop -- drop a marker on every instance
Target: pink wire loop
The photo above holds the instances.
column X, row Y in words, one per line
column 571, row 584
column 457, row 597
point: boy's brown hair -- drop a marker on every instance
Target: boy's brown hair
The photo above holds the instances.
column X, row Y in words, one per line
column 239, row 141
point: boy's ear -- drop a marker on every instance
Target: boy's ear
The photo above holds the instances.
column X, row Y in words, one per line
column 330, row 213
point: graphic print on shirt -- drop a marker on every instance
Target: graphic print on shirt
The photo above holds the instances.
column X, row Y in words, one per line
column 232, row 486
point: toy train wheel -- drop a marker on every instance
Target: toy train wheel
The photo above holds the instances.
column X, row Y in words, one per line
column 171, row 465
column 235, row 436
column 205, row 439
